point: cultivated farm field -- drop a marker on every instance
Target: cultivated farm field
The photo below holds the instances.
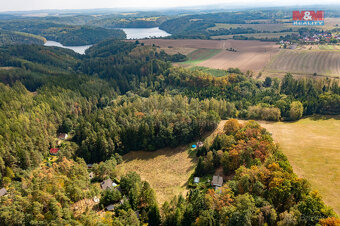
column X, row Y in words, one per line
column 322, row 62
column 249, row 55
column 255, row 35
column 269, row 27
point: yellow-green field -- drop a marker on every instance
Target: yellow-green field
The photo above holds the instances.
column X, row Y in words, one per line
column 167, row 170
column 312, row 146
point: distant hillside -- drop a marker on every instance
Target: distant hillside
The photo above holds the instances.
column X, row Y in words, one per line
column 68, row 35
column 10, row 38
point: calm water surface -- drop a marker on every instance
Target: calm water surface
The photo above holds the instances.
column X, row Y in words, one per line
column 140, row 33
column 131, row 33
column 77, row 49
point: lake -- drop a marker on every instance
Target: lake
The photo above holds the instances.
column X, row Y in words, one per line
column 140, row 33
column 131, row 33
column 77, row 49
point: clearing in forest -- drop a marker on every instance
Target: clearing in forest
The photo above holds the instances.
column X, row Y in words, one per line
column 167, row 170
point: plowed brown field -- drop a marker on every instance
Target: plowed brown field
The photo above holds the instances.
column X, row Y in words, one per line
column 250, row 55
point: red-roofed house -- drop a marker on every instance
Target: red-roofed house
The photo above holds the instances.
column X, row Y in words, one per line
column 54, row 151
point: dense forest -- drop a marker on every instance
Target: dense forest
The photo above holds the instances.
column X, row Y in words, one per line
column 68, row 35
column 11, row 38
column 124, row 96
column 263, row 190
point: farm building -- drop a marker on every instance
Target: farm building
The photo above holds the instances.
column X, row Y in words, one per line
column 217, row 181
column 54, row 151
column 3, row 192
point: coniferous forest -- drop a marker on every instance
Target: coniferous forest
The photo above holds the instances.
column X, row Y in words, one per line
column 124, row 96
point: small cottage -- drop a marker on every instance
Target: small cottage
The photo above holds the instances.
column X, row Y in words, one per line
column 3, row 192
column 108, row 184
column 54, row 151
column 217, row 181
column 110, row 207
column 89, row 166
column 200, row 144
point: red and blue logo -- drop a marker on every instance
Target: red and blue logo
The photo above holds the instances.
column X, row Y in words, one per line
column 308, row 18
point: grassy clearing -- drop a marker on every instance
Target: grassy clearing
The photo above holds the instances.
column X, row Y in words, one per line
column 199, row 56
column 167, row 170
column 312, row 146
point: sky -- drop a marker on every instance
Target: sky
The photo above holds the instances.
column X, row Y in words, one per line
column 26, row 5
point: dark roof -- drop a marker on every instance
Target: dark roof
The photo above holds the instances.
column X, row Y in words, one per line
column 54, row 150
column 110, row 207
column 106, row 184
column 3, row 192
column 217, row 181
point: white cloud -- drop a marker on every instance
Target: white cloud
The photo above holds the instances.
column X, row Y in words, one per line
column 18, row 5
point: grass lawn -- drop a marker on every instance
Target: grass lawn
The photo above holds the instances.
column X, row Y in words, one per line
column 167, row 170
column 312, row 146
